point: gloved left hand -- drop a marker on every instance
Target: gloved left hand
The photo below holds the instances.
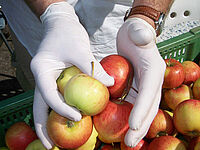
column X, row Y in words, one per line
column 136, row 42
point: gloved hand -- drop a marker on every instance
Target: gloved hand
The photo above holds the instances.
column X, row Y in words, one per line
column 65, row 43
column 136, row 41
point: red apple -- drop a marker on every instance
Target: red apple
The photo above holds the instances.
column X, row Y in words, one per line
column 192, row 72
column 142, row 145
column 174, row 74
column 122, row 71
column 19, row 135
column 166, row 143
column 196, row 89
column 194, row 143
column 174, row 96
column 186, row 117
column 87, row 94
column 161, row 125
column 112, row 123
column 107, row 147
column 66, row 133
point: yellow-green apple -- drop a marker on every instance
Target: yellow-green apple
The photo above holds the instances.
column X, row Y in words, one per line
column 35, row 145
column 186, row 117
column 66, row 133
column 122, row 71
column 112, row 123
column 196, row 89
column 65, row 76
column 192, row 72
column 91, row 142
column 142, row 145
column 194, row 143
column 166, row 143
column 19, row 135
column 161, row 125
column 87, row 94
column 174, row 74
column 174, row 96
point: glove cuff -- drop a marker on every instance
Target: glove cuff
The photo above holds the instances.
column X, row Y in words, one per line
column 58, row 9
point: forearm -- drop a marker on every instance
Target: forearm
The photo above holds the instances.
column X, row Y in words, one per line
column 159, row 5
column 39, row 6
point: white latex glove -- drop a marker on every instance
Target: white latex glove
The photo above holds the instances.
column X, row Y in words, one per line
column 65, row 43
column 136, row 41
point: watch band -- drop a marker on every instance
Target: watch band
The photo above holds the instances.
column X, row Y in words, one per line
column 150, row 12
column 146, row 11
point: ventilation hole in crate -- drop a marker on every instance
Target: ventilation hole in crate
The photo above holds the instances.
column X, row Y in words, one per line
column 182, row 60
column 165, row 57
column 175, row 54
column 179, row 52
column 183, row 52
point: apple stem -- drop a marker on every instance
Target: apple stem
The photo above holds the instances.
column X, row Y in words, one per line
column 92, row 69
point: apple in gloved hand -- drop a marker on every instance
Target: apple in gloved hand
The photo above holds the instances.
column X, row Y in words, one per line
column 68, row 134
column 122, row 71
column 65, row 76
column 87, row 94
column 19, row 135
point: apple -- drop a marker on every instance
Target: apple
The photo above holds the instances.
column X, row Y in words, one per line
column 87, row 94
column 174, row 96
column 186, row 117
column 174, row 74
column 166, row 143
column 107, row 147
column 196, row 89
column 142, row 145
column 65, row 76
column 91, row 142
column 35, row 145
column 66, row 133
column 192, row 72
column 161, row 125
column 19, row 135
column 194, row 144
column 112, row 123
column 122, row 71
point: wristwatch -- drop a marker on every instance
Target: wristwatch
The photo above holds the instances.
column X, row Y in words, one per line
column 157, row 16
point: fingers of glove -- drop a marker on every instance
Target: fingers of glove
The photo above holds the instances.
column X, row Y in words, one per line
column 133, row 137
column 40, row 113
column 94, row 68
column 149, row 85
column 45, row 78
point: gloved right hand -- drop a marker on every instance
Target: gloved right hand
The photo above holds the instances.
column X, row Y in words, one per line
column 65, row 43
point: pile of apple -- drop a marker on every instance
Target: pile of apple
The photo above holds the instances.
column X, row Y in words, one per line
column 105, row 114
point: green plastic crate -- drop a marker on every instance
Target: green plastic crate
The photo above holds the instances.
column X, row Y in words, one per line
column 19, row 108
